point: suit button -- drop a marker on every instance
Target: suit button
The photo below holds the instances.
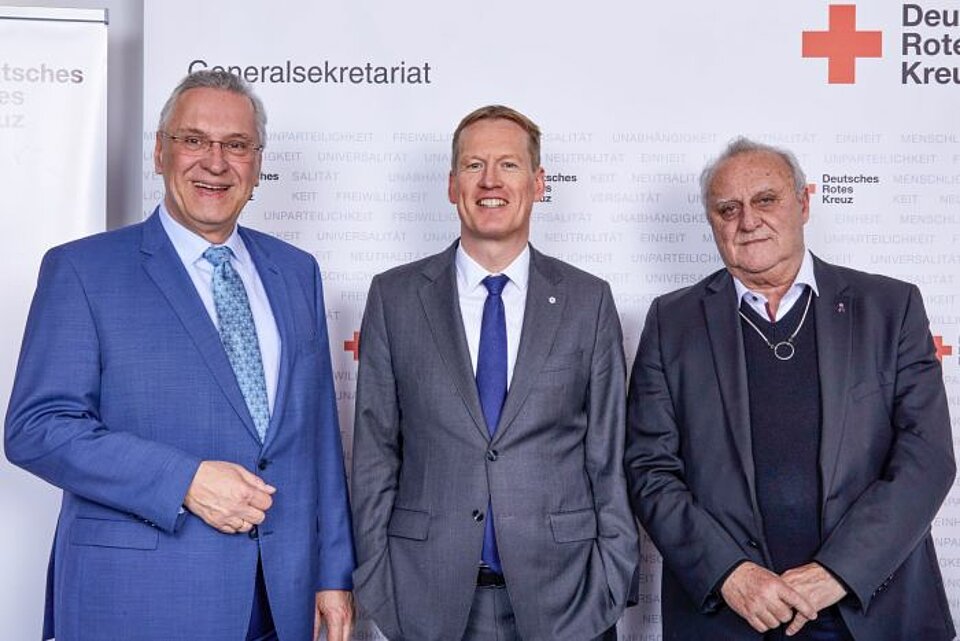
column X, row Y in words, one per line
column 254, row 533
column 492, row 455
column 263, row 464
column 477, row 516
column 753, row 544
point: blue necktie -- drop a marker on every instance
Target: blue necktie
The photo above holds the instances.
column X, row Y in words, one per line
column 239, row 335
column 492, row 387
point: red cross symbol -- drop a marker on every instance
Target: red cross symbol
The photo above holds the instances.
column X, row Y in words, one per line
column 811, row 188
column 842, row 44
column 353, row 346
column 942, row 349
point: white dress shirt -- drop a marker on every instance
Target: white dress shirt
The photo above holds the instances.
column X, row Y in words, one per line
column 758, row 301
column 473, row 294
column 190, row 248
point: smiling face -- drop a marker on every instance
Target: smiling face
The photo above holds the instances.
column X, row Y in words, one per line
column 494, row 186
column 757, row 218
column 205, row 192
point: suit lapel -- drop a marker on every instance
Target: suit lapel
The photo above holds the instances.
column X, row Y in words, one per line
column 441, row 306
column 726, row 341
column 276, row 288
column 164, row 267
column 541, row 319
column 834, row 315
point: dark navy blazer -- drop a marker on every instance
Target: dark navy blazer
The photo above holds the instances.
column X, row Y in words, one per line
column 885, row 461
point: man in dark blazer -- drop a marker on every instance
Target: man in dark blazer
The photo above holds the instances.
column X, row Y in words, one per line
column 788, row 437
column 482, row 513
column 175, row 382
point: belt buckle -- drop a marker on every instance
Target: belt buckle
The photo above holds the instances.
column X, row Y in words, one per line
column 487, row 578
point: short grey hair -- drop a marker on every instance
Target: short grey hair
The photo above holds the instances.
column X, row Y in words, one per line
column 743, row 145
column 224, row 80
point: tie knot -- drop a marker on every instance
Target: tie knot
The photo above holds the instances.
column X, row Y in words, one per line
column 495, row 284
column 217, row 256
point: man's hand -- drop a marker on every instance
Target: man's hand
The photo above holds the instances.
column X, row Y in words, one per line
column 228, row 497
column 816, row 585
column 762, row 598
column 335, row 610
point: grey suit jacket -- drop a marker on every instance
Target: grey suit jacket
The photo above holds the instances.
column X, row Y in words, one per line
column 886, row 455
column 424, row 466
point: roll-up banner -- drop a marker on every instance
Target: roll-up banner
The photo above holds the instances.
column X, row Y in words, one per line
column 633, row 98
column 53, row 142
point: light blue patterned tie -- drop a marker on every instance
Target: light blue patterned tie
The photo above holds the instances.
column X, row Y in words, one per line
column 239, row 335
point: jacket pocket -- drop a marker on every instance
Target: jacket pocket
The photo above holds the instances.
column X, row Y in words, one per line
column 114, row 534
column 568, row 527
column 409, row 524
column 867, row 388
column 559, row 362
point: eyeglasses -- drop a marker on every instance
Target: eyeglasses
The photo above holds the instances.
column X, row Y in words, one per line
column 195, row 145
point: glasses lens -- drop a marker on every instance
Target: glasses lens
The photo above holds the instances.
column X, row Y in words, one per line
column 195, row 144
column 199, row 145
column 238, row 148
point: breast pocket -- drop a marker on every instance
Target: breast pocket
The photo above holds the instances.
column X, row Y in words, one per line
column 561, row 362
column 561, row 382
column 870, row 387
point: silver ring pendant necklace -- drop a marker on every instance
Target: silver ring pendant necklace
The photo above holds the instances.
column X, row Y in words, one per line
column 784, row 350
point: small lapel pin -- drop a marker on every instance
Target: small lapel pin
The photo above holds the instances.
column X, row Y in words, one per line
column 552, row 300
column 841, row 308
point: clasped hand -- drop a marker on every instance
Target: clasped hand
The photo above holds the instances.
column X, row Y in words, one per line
column 767, row 600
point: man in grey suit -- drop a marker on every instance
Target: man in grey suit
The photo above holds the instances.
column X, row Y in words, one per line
column 788, row 437
column 488, row 488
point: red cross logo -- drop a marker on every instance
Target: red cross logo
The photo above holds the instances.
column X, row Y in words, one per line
column 353, row 346
column 842, row 44
column 942, row 348
column 811, row 188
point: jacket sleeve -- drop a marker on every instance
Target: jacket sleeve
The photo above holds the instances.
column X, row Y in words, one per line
column 377, row 457
column 53, row 425
column 695, row 547
column 890, row 518
column 617, row 528
column 336, row 555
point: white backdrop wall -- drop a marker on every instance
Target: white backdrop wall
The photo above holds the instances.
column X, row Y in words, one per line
column 53, row 164
column 124, row 102
column 633, row 98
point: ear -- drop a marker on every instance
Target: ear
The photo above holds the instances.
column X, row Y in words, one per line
column 158, row 154
column 540, row 179
column 453, row 192
column 805, row 205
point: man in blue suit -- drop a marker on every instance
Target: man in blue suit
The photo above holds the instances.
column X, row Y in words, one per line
column 175, row 381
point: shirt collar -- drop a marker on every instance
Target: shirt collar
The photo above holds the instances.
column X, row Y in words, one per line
column 804, row 277
column 190, row 245
column 471, row 274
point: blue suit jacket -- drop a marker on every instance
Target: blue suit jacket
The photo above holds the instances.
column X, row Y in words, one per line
column 122, row 389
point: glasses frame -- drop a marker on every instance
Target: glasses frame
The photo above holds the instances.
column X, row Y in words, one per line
column 208, row 143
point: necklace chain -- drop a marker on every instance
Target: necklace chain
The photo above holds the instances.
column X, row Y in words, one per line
column 784, row 350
